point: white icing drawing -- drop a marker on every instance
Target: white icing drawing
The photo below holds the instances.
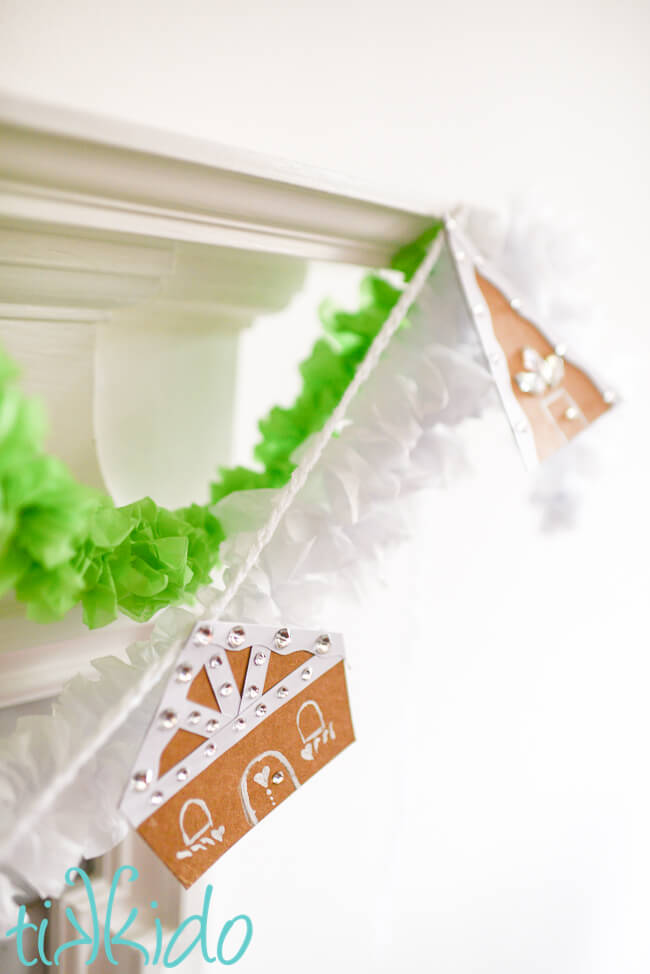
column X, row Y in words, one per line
column 310, row 714
column 198, row 841
column 261, row 778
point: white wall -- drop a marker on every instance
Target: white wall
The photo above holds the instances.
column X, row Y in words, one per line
column 469, row 100
column 524, row 846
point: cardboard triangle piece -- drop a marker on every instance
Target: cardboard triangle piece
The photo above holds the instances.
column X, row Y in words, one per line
column 548, row 397
column 248, row 715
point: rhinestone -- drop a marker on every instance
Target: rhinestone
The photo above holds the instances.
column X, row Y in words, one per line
column 236, row 636
column 225, row 689
column 571, row 413
column 157, row 798
column 215, row 661
column 283, row 692
column 259, row 659
column 239, row 724
column 194, row 717
column 515, row 304
column 282, row 638
column 182, row 774
column 479, row 309
column 211, row 726
column 609, row 396
column 142, row 779
column 253, row 692
column 560, row 350
column 306, row 673
column 532, row 360
column 553, row 370
column 203, row 635
column 184, row 673
column 323, row 644
column 530, row 383
column 260, row 710
column 210, row 750
column 277, row 778
column 168, row 718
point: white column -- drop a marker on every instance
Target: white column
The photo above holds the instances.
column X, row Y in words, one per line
column 55, row 289
column 166, row 372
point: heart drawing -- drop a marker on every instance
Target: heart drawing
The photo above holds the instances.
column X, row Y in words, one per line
column 262, row 777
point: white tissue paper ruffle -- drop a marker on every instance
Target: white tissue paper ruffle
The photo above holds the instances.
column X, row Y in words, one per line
column 85, row 821
column 404, row 431
column 400, row 436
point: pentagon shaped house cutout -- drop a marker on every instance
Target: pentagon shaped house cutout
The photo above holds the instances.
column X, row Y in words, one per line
column 238, row 730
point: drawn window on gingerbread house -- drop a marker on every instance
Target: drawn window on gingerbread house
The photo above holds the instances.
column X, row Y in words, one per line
column 313, row 729
column 196, row 814
column 310, row 721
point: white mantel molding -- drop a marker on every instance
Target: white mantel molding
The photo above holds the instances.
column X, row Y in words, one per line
column 66, row 168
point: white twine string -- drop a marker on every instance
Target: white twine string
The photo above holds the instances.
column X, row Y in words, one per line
column 133, row 699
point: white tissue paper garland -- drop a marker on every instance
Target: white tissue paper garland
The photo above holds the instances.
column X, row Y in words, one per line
column 402, row 434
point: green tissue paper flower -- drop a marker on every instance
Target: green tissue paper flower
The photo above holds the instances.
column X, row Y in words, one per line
column 62, row 543
column 43, row 511
column 141, row 557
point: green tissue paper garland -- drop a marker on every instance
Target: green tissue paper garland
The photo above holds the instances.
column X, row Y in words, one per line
column 62, row 543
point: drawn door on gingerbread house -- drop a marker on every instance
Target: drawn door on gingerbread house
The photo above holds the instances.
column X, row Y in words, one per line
column 268, row 780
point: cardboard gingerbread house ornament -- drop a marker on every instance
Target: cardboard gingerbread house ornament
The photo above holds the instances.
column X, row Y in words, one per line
column 548, row 397
column 249, row 714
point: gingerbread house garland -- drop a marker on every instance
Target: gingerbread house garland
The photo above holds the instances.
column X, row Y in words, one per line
column 249, row 713
column 547, row 397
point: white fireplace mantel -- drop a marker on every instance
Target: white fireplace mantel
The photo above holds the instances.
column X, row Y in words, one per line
column 113, row 239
